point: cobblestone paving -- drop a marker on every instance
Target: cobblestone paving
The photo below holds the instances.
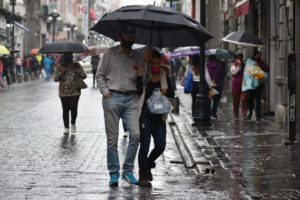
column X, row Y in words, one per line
column 38, row 162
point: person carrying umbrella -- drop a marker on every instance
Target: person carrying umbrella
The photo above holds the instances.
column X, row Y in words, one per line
column 68, row 74
column 118, row 73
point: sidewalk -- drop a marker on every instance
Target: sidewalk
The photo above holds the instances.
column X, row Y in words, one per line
column 252, row 152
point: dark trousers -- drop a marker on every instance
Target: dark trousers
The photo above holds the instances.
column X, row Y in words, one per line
column 154, row 126
column 69, row 104
column 254, row 97
column 216, row 101
column 94, row 79
column 239, row 97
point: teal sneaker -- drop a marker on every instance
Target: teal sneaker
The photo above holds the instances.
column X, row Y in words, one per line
column 114, row 180
column 129, row 178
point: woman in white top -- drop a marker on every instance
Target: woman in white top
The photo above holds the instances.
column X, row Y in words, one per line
column 195, row 67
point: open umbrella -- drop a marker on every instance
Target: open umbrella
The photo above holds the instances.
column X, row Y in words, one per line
column 221, row 53
column 34, row 51
column 64, row 47
column 185, row 51
column 154, row 26
column 243, row 38
column 4, row 50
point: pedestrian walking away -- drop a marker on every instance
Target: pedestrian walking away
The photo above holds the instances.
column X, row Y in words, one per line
column 238, row 97
column 217, row 73
column 151, row 124
column 253, row 83
column 69, row 75
column 1, row 72
column 194, row 69
column 47, row 63
column 119, row 72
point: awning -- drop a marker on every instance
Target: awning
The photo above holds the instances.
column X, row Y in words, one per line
column 22, row 27
column 242, row 8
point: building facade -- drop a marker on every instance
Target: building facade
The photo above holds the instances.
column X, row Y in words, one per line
column 277, row 23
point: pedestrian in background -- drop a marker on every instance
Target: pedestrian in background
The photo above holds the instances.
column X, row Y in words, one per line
column 34, row 67
column 47, row 63
column 67, row 74
column 119, row 71
column 194, row 68
column 152, row 124
column 1, row 72
column 217, row 73
column 94, row 62
column 26, row 67
column 238, row 97
column 254, row 94
column 18, row 65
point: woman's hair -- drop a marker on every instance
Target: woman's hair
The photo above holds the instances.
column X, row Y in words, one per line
column 156, row 54
column 68, row 58
column 255, row 53
column 239, row 56
column 195, row 59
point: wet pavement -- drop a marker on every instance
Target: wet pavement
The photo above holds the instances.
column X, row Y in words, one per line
column 38, row 162
column 252, row 152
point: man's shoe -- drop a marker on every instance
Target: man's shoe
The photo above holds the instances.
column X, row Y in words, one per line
column 73, row 128
column 114, row 180
column 129, row 178
column 66, row 132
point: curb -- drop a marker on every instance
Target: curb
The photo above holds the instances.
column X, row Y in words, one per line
column 188, row 155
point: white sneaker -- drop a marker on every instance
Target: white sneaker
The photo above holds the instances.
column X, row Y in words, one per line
column 73, row 128
column 66, row 131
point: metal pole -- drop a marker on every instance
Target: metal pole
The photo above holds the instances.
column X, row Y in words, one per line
column 201, row 108
column 13, row 3
column 54, row 22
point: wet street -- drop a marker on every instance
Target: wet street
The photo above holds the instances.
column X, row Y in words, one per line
column 38, row 162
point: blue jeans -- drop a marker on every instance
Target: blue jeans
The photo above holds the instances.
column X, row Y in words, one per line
column 155, row 126
column 123, row 107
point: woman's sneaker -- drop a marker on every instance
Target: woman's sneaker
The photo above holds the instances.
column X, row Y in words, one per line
column 66, row 132
column 73, row 128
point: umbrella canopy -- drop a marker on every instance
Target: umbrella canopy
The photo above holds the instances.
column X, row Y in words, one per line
column 4, row 50
column 185, row 51
column 243, row 38
column 154, row 26
column 64, row 47
column 34, row 51
column 221, row 53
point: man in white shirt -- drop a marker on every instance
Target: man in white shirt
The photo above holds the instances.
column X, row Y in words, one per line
column 118, row 73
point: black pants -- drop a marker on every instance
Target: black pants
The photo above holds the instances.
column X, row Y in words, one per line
column 255, row 96
column 69, row 104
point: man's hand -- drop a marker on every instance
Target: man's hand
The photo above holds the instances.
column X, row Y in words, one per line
column 108, row 95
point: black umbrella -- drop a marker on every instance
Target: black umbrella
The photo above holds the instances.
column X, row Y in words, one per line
column 64, row 47
column 154, row 26
column 243, row 38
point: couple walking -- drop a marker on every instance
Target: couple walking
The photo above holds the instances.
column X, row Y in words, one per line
column 121, row 79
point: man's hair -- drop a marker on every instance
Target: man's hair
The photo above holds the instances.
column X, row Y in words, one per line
column 127, row 30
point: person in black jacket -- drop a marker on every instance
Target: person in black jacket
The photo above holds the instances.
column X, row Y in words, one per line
column 151, row 125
